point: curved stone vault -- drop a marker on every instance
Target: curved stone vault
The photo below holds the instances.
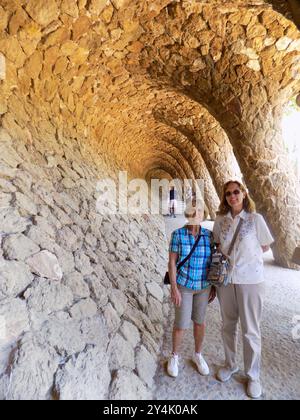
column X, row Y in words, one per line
column 161, row 88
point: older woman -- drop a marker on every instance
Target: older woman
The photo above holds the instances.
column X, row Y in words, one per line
column 243, row 298
column 190, row 290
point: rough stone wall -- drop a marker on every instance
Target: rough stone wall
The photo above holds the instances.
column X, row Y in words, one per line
column 80, row 292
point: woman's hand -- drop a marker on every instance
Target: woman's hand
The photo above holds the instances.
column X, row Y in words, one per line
column 265, row 248
column 212, row 295
column 176, row 296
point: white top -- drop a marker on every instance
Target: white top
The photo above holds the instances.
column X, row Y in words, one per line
column 247, row 264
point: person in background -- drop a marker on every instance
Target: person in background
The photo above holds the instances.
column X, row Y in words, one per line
column 173, row 202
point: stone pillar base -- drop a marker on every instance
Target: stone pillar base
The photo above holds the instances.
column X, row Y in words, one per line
column 296, row 256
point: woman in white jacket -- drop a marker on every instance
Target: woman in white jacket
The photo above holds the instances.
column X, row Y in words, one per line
column 243, row 298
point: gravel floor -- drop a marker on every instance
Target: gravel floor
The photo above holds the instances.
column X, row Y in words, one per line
column 281, row 353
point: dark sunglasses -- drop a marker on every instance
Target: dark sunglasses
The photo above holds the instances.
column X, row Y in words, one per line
column 229, row 193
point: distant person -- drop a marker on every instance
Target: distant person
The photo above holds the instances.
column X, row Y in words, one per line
column 173, row 202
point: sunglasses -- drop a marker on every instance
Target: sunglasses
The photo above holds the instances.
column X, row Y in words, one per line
column 236, row 192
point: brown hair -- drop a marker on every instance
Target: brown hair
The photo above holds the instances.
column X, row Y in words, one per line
column 249, row 205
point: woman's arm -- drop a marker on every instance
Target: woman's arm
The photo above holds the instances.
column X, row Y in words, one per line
column 264, row 235
column 175, row 293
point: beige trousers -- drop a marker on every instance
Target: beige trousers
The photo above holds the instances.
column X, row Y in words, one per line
column 244, row 303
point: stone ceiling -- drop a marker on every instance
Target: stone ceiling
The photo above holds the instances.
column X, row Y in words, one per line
column 97, row 69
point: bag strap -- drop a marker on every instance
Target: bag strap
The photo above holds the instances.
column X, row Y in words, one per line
column 235, row 237
column 190, row 254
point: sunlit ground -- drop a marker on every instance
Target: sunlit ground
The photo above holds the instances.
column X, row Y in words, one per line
column 291, row 133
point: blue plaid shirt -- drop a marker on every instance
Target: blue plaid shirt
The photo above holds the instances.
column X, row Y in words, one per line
column 193, row 275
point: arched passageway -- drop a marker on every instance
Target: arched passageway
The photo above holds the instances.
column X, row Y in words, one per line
column 242, row 66
column 87, row 89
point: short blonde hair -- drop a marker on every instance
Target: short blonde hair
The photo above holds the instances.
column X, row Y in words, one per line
column 193, row 206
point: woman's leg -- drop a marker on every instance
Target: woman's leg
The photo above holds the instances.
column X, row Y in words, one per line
column 178, row 335
column 200, row 303
column 182, row 321
column 251, row 300
column 173, row 362
column 183, row 315
column 199, row 334
column 230, row 318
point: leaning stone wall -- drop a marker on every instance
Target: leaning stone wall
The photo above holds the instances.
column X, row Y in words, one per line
column 80, row 293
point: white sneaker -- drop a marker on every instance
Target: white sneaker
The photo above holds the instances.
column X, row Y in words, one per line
column 225, row 374
column 173, row 364
column 201, row 364
column 254, row 390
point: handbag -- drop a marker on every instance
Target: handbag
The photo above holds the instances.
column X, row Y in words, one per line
column 219, row 270
column 167, row 277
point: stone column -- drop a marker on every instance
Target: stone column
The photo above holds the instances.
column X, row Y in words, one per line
column 265, row 163
column 218, row 155
column 210, row 195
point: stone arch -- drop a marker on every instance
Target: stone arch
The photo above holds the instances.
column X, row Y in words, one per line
column 158, row 173
column 164, row 167
column 160, row 158
column 238, row 62
column 162, row 145
column 242, row 66
column 200, row 171
column 169, row 135
column 136, row 141
column 207, row 135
